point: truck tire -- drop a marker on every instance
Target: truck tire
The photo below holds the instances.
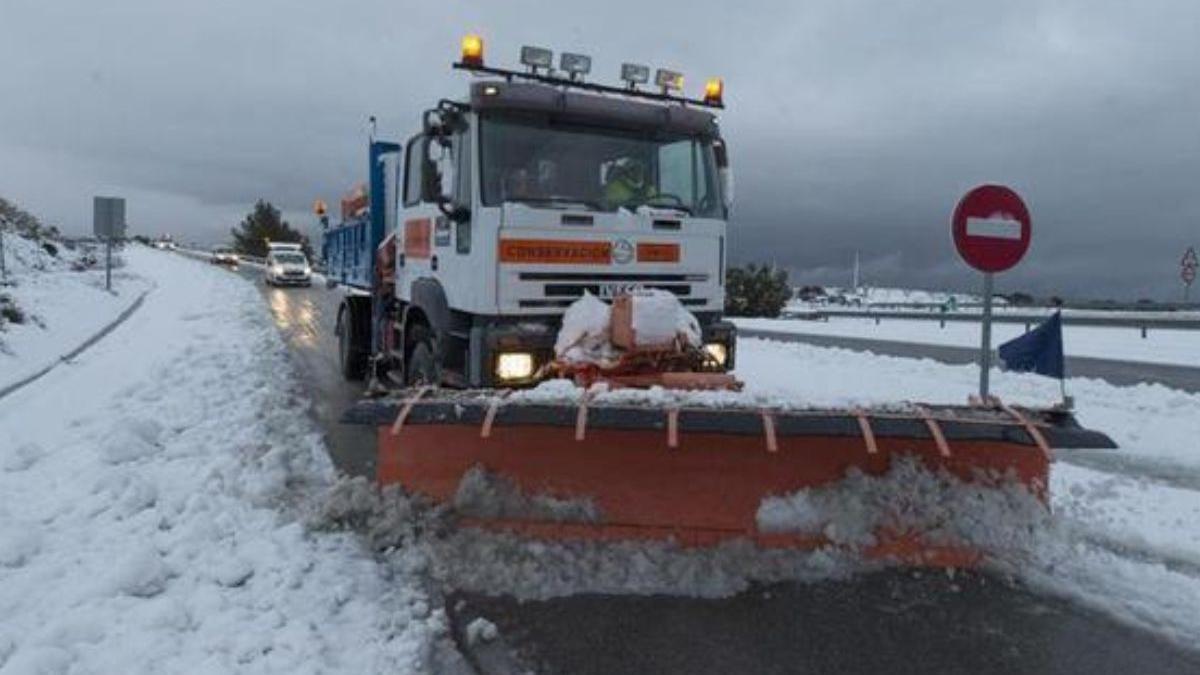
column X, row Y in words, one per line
column 422, row 366
column 353, row 333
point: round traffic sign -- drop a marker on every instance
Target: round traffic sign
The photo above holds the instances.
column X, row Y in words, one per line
column 991, row 228
column 1188, row 274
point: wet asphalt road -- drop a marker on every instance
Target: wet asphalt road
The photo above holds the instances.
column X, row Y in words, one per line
column 893, row 621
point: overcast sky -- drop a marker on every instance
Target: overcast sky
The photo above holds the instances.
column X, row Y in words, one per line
column 853, row 126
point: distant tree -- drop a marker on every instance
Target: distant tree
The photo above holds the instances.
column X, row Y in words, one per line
column 264, row 224
column 756, row 290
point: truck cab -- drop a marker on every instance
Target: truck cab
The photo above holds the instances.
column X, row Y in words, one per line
column 509, row 205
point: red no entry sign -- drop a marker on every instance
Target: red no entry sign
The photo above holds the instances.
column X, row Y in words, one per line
column 991, row 228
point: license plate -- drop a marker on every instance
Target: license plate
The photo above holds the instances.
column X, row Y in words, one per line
column 611, row 290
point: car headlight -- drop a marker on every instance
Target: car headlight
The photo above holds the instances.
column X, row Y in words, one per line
column 718, row 352
column 276, row 269
column 514, row 366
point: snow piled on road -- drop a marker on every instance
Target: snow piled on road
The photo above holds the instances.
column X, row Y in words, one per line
column 152, row 500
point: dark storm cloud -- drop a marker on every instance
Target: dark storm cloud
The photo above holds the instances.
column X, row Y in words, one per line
column 854, row 126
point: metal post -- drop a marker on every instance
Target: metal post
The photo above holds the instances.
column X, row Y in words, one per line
column 985, row 350
column 108, row 264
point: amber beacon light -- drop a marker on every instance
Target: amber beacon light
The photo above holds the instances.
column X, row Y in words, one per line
column 472, row 50
column 714, row 91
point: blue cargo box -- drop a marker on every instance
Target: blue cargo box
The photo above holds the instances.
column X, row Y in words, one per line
column 348, row 248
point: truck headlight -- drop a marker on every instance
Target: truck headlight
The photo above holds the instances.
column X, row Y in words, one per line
column 717, row 352
column 514, row 366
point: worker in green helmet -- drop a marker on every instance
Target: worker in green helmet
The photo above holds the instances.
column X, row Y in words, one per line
column 628, row 184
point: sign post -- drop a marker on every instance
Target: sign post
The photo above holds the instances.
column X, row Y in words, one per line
column 1187, row 271
column 108, row 223
column 992, row 231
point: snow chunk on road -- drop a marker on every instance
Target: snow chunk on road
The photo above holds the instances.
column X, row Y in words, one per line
column 483, row 494
column 992, row 514
column 481, row 630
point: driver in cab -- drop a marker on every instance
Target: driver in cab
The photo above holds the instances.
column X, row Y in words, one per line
column 628, row 184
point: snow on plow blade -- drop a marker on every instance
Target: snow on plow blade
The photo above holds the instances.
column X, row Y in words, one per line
column 698, row 475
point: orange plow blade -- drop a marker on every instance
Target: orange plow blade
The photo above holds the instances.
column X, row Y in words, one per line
column 698, row 476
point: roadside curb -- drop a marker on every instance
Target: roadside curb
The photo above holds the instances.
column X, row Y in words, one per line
column 99, row 335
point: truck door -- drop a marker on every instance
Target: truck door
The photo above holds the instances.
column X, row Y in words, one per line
column 418, row 217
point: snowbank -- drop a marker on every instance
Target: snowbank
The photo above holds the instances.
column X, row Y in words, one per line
column 152, row 499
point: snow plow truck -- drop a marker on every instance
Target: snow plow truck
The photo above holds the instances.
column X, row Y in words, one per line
column 534, row 287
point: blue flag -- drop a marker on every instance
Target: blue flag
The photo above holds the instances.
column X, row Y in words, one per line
column 1039, row 351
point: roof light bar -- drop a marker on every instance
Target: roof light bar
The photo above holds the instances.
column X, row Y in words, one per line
column 540, row 64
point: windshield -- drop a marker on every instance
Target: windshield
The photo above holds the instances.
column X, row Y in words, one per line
column 550, row 164
column 290, row 258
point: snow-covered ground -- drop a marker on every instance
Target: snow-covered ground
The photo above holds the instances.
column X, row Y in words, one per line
column 63, row 307
column 1120, row 540
column 1161, row 345
column 153, row 496
column 166, row 505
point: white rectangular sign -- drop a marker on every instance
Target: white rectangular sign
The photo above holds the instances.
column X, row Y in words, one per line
column 994, row 228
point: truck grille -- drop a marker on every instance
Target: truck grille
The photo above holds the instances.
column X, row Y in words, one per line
column 562, row 288
column 687, row 302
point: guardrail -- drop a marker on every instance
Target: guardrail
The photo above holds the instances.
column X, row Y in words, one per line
column 1142, row 323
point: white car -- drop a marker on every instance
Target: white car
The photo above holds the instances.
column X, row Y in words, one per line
column 287, row 267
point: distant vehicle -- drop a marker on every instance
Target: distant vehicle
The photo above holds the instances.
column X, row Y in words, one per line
column 224, row 256
column 288, row 267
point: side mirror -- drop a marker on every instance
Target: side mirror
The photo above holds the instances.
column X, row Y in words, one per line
column 721, row 154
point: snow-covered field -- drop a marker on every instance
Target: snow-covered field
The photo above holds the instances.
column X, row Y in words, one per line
column 152, row 500
column 1168, row 346
column 64, row 307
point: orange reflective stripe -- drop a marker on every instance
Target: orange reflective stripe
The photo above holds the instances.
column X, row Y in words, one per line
column 555, row 251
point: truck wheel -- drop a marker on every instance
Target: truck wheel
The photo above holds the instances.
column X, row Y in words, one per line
column 351, row 336
column 422, row 365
